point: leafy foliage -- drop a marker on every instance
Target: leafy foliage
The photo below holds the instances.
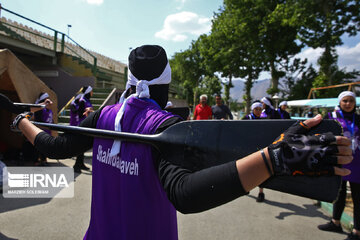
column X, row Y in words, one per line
column 251, row 36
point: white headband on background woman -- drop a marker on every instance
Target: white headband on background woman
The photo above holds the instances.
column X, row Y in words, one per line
column 267, row 102
column 256, row 105
column 346, row 94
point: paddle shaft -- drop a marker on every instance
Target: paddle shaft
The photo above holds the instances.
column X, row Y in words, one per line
column 101, row 133
column 30, row 105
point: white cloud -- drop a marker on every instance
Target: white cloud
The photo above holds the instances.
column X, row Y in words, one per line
column 177, row 27
column 94, row 2
column 349, row 57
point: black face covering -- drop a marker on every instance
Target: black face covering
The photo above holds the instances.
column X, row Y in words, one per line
column 158, row 93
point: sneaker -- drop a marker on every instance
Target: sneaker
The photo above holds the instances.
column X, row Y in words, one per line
column 330, row 227
column 261, row 197
column 353, row 236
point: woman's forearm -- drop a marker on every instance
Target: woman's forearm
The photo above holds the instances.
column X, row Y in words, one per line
column 29, row 130
column 252, row 170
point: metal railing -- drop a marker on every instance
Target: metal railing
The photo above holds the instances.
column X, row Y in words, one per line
column 349, row 85
column 67, row 44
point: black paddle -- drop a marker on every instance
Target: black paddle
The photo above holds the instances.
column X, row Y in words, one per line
column 16, row 108
column 196, row 145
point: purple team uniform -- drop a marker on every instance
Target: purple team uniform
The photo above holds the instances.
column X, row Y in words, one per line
column 269, row 113
column 128, row 200
column 354, row 166
column 74, row 116
column 87, row 104
column 46, row 117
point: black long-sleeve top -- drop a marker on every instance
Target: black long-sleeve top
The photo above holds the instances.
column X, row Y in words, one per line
column 188, row 191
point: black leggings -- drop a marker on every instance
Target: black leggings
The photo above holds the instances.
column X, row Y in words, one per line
column 339, row 205
column 79, row 160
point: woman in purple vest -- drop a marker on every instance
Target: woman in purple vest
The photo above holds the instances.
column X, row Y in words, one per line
column 135, row 191
column 283, row 114
column 85, row 105
column 44, row 115
column 255, row 113
column 74, row 111
column 83, row 108
column 268, row 110
column 350, row 121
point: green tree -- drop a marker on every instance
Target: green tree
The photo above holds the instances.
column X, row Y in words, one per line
column 250, row 37
column 300, row 89
column 263, row 21
column 338, row 76
column 322, row 23
column 232, row 50
column 294, row 71
column 210, row 86
column 189, row 71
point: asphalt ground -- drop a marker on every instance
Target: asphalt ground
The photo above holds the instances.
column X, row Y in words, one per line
column 280, row 217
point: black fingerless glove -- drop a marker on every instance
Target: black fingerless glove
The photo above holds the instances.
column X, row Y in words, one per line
column 295, row 152
column 19, row 117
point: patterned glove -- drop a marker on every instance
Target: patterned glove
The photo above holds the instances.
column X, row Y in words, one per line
column 296, row 153
column 19, row 117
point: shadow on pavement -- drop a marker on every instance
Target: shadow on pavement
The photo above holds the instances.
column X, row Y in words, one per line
column 308, row 210
column 3, row 237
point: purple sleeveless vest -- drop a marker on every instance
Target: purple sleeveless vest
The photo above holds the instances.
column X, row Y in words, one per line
column 354, row 166
column 46, row 117
column 128, row 200
column 87, row 104
column 268, row 113
column 74, row 116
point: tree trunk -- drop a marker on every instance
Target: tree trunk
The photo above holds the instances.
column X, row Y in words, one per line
column 247, row 97
column 227, row 91
column 196, row 99
column 274, row 79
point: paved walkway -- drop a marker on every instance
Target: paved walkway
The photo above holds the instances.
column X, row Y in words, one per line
column 280, row 217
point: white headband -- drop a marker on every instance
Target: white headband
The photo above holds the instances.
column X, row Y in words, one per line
column 76, row 98
column 256, row 105
column 267, row 102
column 169, row 104
column 88, row 90
column 345, row 94
column 42, row 98
column 283, row 103
column 142, row 91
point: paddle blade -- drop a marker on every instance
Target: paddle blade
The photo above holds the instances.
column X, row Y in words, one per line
column 196, row 145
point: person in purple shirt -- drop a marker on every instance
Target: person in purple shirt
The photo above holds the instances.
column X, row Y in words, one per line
column 85, row 106
column 350, row 121
column 255, row 113
column 74, row 111
column 283, row 114
column 269, row 111
column 80, row 109
column 44, row 115
column 135, row 190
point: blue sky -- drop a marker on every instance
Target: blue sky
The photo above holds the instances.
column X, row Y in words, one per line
column 111, row 27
